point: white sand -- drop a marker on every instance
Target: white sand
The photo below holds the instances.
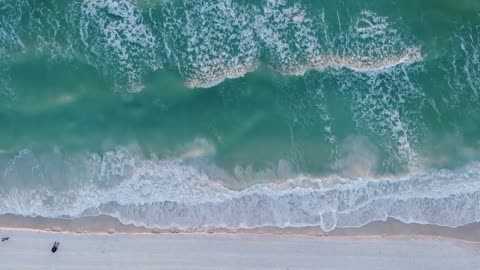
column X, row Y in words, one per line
column 31, row 250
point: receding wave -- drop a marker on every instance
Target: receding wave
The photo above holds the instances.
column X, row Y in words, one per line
column 176, row 194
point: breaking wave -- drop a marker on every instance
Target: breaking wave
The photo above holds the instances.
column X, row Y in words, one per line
column 175, row 194
column 206, row 42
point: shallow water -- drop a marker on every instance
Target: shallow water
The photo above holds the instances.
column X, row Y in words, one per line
column 241, row 113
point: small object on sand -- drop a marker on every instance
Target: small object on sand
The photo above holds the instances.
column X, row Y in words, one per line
column 5, row 239
column 55, row 246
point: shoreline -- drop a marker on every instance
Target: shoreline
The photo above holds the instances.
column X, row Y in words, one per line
column 106, row 225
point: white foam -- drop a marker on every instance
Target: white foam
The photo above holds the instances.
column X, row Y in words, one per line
column 380, row 104
column 286, row 35
column 382, row 87
column 370, row 45
column 323, row 62
column 375, row 67
column 210, row 41
column 115, row 32
column 174, row 194
column 10, row 42
column 287, row 32
column 218, row 76
column 463, row 68
column 218, row 42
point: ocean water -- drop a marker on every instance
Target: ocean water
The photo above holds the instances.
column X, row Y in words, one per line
column 196, row 114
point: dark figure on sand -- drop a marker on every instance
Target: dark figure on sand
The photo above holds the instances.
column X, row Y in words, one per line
column 5, row 239
column 55, row 246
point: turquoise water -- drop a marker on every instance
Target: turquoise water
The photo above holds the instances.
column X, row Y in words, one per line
column 241, row 113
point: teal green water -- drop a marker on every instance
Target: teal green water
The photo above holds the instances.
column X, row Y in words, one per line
column 120, row 97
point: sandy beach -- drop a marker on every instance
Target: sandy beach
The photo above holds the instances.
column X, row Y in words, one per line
column 104, row 243
column 31, row 250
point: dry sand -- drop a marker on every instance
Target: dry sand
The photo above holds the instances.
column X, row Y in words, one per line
column 31, row 250
column 104, row 243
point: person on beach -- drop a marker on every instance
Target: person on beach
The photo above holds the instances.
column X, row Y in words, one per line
column 5, row 239
column 55, row 246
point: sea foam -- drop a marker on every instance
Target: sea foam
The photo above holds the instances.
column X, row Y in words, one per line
column 175, row 194
column 115, row 32
column 210, row 41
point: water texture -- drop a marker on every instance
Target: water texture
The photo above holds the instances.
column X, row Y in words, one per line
column 241, row 114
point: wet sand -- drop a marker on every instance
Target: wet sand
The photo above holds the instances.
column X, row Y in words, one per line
column 109, row 225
